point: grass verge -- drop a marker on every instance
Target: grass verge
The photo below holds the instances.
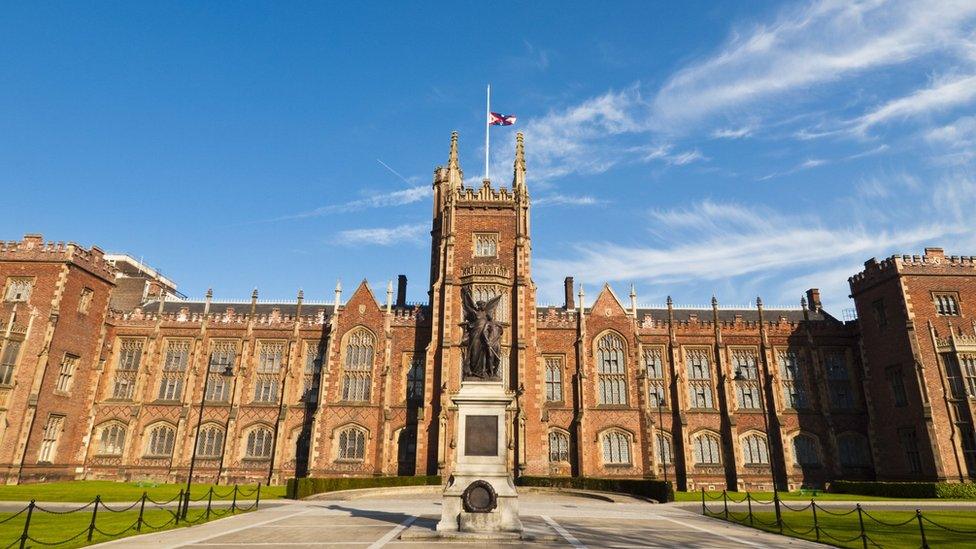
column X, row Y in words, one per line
column 48, row 529
column 784, row 496
column 83, row 491
column 882, row 528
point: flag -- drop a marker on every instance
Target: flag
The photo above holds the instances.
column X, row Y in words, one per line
column 495, row 119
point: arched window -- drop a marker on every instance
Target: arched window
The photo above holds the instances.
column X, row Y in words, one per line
column 616, row 448
column 805, row 450
column 558, row 447
column 611, row 367
column 662, row 449
column 210, row 444
column 706, row 449
column 754, row 450
column 259, row 443
column 358, row 366
column 111, row 442
column 352, row 444
column 161, row 438
column 853, row 448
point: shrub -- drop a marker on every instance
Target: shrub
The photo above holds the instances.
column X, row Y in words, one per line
column 913, row 490
column 299, row 488
column 654, row 489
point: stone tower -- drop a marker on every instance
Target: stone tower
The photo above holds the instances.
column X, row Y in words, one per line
column 480, row 241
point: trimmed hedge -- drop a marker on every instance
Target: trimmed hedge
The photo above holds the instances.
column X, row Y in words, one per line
column 915, row 490
column 299, row 488
column 654, row 489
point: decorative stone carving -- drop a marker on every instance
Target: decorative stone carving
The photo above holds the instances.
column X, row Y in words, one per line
column 479, row 497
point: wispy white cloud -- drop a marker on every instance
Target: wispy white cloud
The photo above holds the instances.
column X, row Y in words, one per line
column 666, row 154
column 955, row 143
column 938, row 97
column 733, row 133
column 378, row 200
column 822, row 42
column 805, row 165
column 383, row 236
column 566, row 200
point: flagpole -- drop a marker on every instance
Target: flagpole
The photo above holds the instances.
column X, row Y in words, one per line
column 487, row 118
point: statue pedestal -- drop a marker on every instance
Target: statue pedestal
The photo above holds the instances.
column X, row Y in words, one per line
column 480, row 499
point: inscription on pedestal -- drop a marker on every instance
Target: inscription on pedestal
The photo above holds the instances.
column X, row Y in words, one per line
column 481, row 436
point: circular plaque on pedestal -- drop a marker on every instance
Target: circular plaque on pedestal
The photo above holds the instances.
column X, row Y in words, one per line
column 479, row 497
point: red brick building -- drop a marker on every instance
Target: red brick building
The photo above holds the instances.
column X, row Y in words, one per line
column 100, row 377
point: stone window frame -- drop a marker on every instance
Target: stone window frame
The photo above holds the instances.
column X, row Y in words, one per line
column 414, row 384
column 8, row 364
column 835, row 382
column 66, row 373
column 50, row 441
column 173, row 369
column 257, row 436
column 127, row 366
column 911, row 451
column 702, row 382
column 492, row 241
column 750, row 386
column 618, row 434
column 697, row 449
column 337, row 439
column 754, row 444
column 113, row 432
column 312, row 358
column 895, row 375
column 153, row 431
column 25, row 294
column 657, row 383
column 214, row 436
column 555, row 384
column 668, row 439
column 357, row 370
column 967, row 372
column 946, row 303
column 792, row 378
column 880, row 311
column 271, row 357
column 611, row 375
column 560, row 435
column 859, row 448
column 223, row 352
column 815, row 449
column 85, row 300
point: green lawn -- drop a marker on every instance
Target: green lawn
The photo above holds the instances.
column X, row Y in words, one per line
column 784, row 496
column 844, row 531
column 49, row 528
column 86, row 490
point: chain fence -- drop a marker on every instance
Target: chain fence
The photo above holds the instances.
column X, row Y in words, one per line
column 820, row 529
column 177, row 508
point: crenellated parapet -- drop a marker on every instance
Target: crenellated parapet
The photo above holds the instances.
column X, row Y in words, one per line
column 33, row 247
column 551, row 317
column 228, row 317
column 933, row 261
column 414, row 315
column 484, row 194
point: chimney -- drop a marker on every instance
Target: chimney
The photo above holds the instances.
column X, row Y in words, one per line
column 813, row 299
column 401, row 299
column 570, row 303
column 934, row 253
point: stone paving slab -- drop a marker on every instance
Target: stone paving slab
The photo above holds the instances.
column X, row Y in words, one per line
column 554, row 521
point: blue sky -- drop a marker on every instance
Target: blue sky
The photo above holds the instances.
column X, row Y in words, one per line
column 692, row 148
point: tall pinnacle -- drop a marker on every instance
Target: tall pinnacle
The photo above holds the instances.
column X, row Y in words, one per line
column 454, row 173
column 518, row 180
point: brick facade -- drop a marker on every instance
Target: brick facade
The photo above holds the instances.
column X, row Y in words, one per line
column 601, row 386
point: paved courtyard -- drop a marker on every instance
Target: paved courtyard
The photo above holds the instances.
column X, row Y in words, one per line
column 550, row 520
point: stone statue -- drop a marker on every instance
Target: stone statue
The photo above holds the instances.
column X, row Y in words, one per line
column 482, row 338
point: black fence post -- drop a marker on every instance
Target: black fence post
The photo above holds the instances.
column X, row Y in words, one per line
column 725, row 504
column 233, row 503
column 179, row 507
column 749, row 503
column 816, row 525
column 186, row 506
column 703, row 500
column 142, row 510
column 860, row 520
column 209, row 501
column 921, row 528
column 91, row 527
column 779, row 515
column 257, row 500
column 30, row 511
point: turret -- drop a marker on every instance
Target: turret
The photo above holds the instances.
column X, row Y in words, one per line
column 518, row 178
